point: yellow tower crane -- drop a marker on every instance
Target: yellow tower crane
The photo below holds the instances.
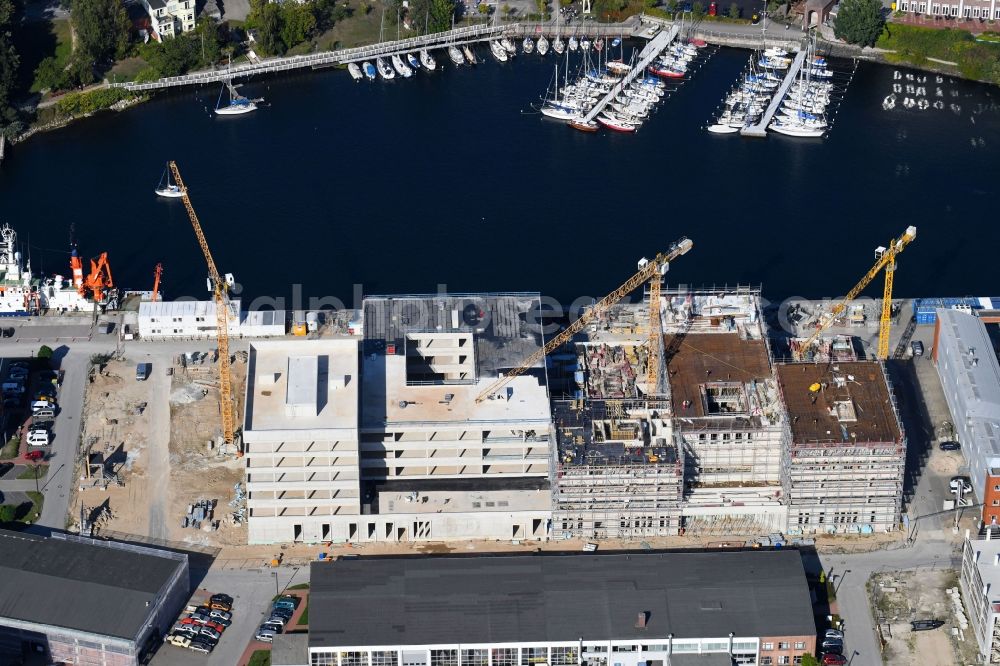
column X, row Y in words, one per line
column 220, row 288
column 885, row 258
column 648, row 270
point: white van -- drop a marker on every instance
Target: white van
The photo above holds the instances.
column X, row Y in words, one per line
column 38, row 438
column 39, row 405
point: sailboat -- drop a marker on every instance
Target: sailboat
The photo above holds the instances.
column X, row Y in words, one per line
column 238, row 104
column 553, row 107
column 166, row 188
column 543, row 45
column 427, row 60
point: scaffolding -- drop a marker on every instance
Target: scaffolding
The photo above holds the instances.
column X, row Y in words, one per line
column 843, row 467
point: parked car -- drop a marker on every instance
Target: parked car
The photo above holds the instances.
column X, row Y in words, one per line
column 38, row 438
column 221, row 598
column 276, row 628
column 201, row 646
column 833, row 645
column 961, row 481
column 179, row 640
column 210, row 632
column 926, row 625
column 917, row 347
column 277, row 619
column 833, row 659
column 34, row 456
column 220, row 615
column 834, row 633
column 949, row 446
column 221, row 605
column 265, row 635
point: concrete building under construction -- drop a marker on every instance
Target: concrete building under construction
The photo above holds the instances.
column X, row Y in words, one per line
column 699, row 450
column 846, row 450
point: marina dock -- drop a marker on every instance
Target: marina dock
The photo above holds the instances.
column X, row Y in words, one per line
column 653, row 49
column 760, row 129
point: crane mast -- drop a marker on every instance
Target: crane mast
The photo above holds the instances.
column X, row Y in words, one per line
column 885, row 258
column 646, row 272
column 221, row 291
column 157, row 274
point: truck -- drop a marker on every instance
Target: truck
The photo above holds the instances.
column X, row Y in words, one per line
column 142, row 371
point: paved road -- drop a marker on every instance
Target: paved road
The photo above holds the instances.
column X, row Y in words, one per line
column 159, row 445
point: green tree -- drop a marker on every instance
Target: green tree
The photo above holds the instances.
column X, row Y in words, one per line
column 101, row 28
column 44, row 352
column 7, row 513
column 297, row 23
column 483, row 8
column 9, row 62
column 734, row 11
column 206, row 34
column 859, row 21
column 809, row 660
column 441, row 14
column 698, row 9
column 505, row 10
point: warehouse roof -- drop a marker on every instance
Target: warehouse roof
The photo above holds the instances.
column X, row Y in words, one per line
column 535, row 598
column 93, row 586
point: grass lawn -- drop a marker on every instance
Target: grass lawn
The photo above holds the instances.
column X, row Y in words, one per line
column 358, row 30
column 125, row 70
column 914, row 44
column 9, row 449
column 260, row 658
column 300, row 586
column 29, row 472
column 37, row 40
column 35, row 512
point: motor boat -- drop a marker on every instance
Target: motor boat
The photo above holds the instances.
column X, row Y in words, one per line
column 414, row 61
column 384, row 69
column 618, row 67
column 599, row 44
column 573, row 44
column 722, row 128
column 559, row 46
column 355, row 71
column 508, row 46
column 427, row 60
column 369, row 70
column 498, row 51
column 528, row 45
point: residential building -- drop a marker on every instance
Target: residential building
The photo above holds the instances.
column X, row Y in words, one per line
column 967, row 9
column 390, row 438
column 186, row 320
column 846, row 450
column 970, row 378
column 678, row 608
column 86, row 601
column 980, row 585
column 169, row 18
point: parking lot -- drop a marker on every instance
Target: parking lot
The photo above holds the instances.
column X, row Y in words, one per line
column 252, row 591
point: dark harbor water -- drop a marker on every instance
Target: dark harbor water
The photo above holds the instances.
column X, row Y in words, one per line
column 448, row 178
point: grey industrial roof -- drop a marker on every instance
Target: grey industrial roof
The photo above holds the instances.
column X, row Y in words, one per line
column 706, row 659
column 976, row 369
column 290, row 650
column 88, row 586
column 536, row 598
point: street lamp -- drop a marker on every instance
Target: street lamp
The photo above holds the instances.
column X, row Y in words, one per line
column 277, row 591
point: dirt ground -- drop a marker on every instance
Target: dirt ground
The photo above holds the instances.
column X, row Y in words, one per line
column 160, row 437
column 899, row 598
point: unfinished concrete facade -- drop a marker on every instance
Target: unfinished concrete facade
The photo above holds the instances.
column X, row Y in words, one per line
column 846, row 451
column 382, row 439
column 701, row 450
column 437, row 464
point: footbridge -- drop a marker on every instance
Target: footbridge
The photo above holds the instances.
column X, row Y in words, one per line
column 437, row 40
